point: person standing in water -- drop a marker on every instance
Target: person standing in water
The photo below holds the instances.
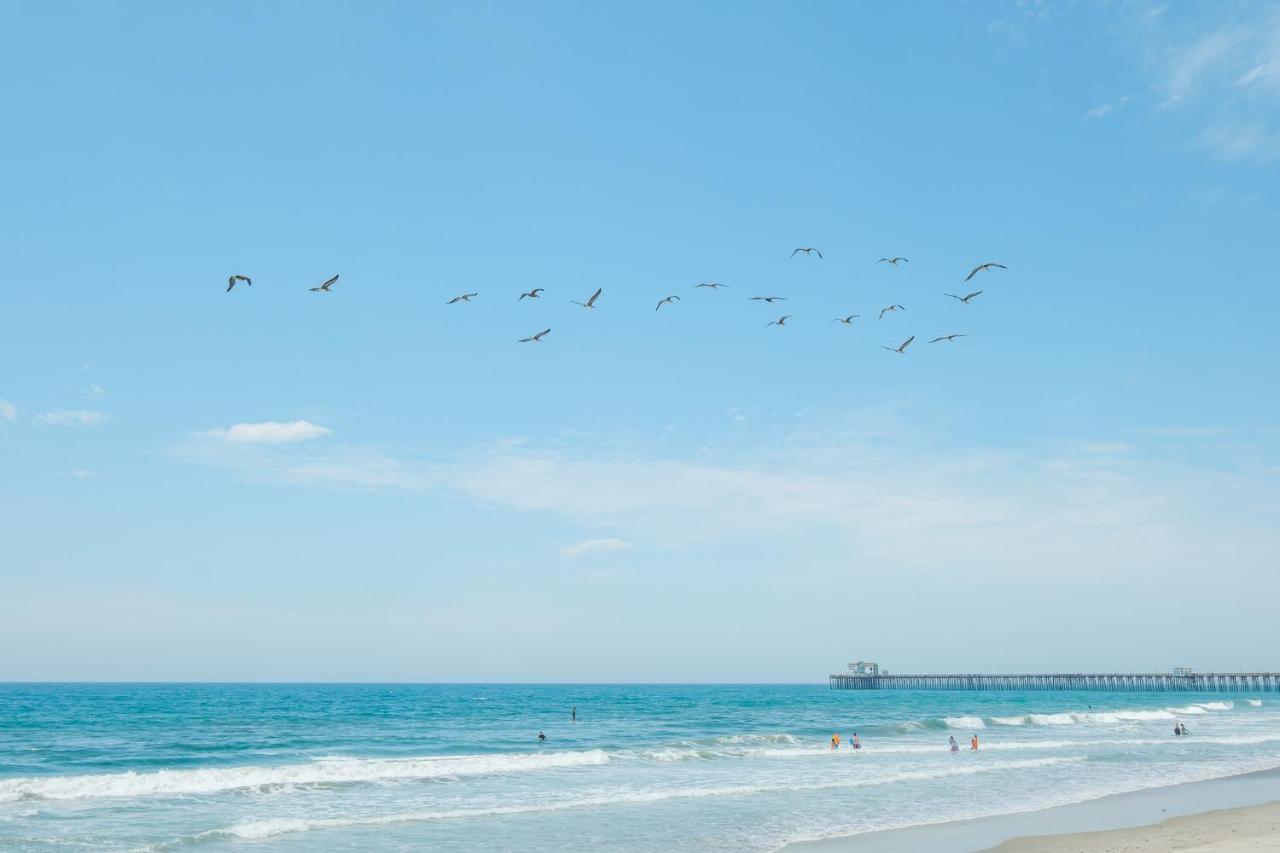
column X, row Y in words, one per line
column 835, row 741
column 573, row 715
column 973, row 744
column 542, row 738
column 857, row 744
column 955, row 747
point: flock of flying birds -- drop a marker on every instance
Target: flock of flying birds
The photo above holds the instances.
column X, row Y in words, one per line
column 536, row 293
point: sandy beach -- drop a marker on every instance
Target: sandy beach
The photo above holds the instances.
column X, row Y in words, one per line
column 1227, row 831
column 1234, row 813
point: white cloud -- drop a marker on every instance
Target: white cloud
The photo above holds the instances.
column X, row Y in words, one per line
column 1217, row 68
column 269, row 432
column 1103, row 110
column 74, row 418
column 8, row 411
column 894, row 500
column 595, row 546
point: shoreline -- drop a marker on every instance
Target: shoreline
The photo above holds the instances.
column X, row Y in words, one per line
column 1025, row 832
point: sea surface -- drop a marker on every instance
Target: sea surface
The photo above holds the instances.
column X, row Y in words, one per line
column 645, row 767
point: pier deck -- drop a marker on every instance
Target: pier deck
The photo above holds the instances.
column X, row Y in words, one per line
column 1199, row 682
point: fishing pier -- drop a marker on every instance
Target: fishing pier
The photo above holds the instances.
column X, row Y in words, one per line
column 864, row 676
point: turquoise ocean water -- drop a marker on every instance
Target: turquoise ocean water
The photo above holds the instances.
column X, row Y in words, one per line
column 645, row 768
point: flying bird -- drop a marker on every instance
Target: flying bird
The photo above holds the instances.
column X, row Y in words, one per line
column 889, row 308
column 965, row 299
column 532, row 294
column 324, row 288
column 893, row 261
column 947, row 338
column 590, row 303
column 466, row 297
column 662, row 302
column 536, row 339
column 781, row 321
column 848, row 321
column 808, row 251
column 711, row 284
column 769, row 299
column 902, row 347
column 231, row 282
column 983, row 268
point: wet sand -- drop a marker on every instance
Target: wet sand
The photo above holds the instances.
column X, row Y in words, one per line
column 1214, row 812
column 1228, row 831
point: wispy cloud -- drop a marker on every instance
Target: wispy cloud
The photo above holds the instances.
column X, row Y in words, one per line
column 8, row 411
column 1086, row 503
column 595, row 546
column 74, row 418
column 268, row 432
column 1217, row 66
column 1103, row 110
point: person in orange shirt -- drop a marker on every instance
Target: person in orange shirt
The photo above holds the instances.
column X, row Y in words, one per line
column 973, row 744
column 835, row 741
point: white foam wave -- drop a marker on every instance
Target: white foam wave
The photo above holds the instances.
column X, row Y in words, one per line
column 733, row 740
column 207, row 780
column 256, row 830
column 964, row 722
column 1257, row 703
column 1009, row 721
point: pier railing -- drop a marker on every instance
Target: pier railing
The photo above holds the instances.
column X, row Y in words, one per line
column 1199, row 682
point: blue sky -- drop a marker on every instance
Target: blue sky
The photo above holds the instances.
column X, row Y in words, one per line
column 371, row 484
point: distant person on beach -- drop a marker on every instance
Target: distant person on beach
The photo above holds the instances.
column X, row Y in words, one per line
column 541, row 737
column 857, row 744
column 835, row 741
column 955, row 747
column 973, row 744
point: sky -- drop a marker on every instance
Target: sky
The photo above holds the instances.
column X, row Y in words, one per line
column 373, row 485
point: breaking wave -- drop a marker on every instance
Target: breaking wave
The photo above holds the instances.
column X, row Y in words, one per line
column 255, row 830
column 328, row 771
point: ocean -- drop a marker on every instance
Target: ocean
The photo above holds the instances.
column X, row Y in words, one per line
column 645, row 768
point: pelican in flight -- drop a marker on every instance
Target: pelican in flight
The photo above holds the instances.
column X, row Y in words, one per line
column 809, row 250
column 536, row 339
column 965, row 299
column 902, row 347
column 231, row 282
column 889, row 308
column 466, row 297
column 781, row 321
column 711, row 284
column 662, row 302
column 532, row 294
column 324, row 288
column 893, row 261
column 590, row 303
column 983, row 268
column 947, row 338
column 848, row 321
column 769, row 299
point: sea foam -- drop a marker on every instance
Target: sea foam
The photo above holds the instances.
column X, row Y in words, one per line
column 208, row 780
